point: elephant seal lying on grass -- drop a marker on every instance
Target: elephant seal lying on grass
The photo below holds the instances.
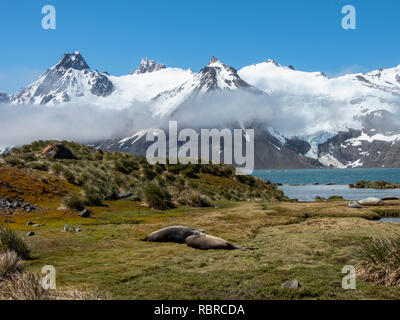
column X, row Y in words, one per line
column 205, row 242
column 172, row 234
column 370, row 202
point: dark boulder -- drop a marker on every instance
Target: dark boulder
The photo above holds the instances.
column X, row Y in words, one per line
column 58, row 151
column 85, row 213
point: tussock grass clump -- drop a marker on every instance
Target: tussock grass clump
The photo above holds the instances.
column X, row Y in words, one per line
column 27, row 286
column 57, row 168
column 10, row 263
column 157, row 197
column 379, row 261
column 74, row 202
column 10, row 240
column 69, row 176
column 41, row 166
column 198, row 200
column 14, row 162
column 23, row 286
column 194, row 199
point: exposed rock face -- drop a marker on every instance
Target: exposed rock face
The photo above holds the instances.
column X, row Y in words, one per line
column 58, row 151
column 376, row 145
column 147, row 66
column 297, row 145
column 4, row 97
column 270, row 153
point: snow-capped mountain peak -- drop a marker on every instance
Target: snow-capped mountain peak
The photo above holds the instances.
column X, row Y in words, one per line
column 275, row 63
column 70, row 78
column 147, row 66
column 214, row 62
column 72, row 61
column 215, row 76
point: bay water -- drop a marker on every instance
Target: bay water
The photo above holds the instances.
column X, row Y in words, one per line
column 306, row 184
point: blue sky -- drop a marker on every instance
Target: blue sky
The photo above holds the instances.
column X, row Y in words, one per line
column 114, row 35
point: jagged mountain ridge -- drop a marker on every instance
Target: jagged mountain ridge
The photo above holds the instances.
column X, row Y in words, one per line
column 215, row 76
column 167, row 90
column 147, row 66
column 70, row 78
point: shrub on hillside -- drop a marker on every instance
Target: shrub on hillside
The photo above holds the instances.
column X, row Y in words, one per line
column 190, row 172
column 69, row 176
column 41, row 166
column 10, row 240
column 125, row 166
column 149, row 173
column 57, row 168
column 15, row 162
column 74, row 202
column 197, row 200
column 93, row 197
column 157, row 197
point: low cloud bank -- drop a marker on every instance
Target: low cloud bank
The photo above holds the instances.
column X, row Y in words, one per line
column 22, row 124
column 292, row 115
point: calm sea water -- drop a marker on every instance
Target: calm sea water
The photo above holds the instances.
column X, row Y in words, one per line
column 299, row 184
column 392, row 220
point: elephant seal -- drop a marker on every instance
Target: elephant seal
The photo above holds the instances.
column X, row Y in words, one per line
column 354, row 204
column 370, row 202
column 389, row 198
column 205, row 242
column 172, row 234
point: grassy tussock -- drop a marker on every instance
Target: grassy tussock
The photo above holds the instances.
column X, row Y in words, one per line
column 27, row 286
column 379, row 261
column 15, row 284
column 157, row 197
column 10, row 264
column 10, row 240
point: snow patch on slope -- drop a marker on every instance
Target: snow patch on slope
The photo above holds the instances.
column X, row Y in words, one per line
column 329, row 160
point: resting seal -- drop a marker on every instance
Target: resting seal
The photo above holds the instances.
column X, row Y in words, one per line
column 172, row 234
column 370, row 202
column 205, row 242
